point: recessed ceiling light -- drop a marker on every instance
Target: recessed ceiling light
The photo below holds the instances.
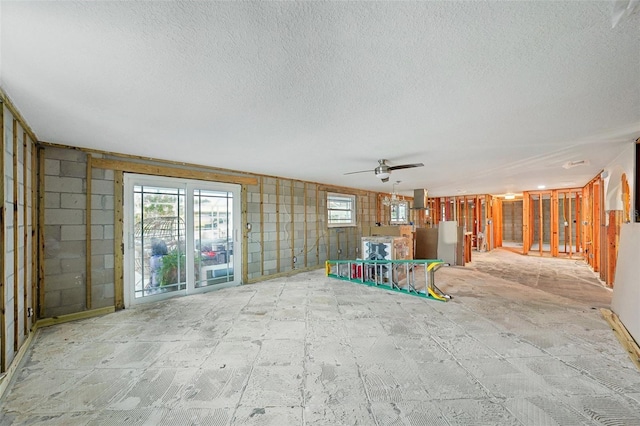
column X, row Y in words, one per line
column 541, row 186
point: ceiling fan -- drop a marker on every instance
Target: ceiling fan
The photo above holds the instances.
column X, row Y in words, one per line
column 383, row 171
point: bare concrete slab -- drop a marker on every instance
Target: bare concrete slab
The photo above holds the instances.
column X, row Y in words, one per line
column 519, row 344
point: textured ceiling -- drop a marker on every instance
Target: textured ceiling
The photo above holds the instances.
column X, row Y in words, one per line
column 492, row 97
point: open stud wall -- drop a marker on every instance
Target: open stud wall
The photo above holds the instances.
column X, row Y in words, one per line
column 18, row 241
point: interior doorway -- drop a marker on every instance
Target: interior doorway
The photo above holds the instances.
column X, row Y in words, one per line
column 182, row 237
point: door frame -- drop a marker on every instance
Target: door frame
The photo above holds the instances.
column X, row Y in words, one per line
column 130, row 181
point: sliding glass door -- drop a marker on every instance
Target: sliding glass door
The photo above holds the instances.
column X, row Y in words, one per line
column 181, row 236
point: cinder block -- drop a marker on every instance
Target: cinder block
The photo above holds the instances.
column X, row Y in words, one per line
column 63, row 184
column 102, row 202
column 97, row 261
column 73, row 296
column 73, row 232
column 73, row 265
column 63, row 217
column 102, row 217
column 67, row 281
column 52, row 267
column 109, row 261
column 109, row 175
column 51, row 167
column 73, row 169
column 101, row 276
column 71, row 249
column 52, row 299
column 97, row 232
column 102, row 247
column 73, row 201
column 51, row 200
column 108, row 232
column 97, row 174
column 103, row 187
column 65, row 154
column 254, row 268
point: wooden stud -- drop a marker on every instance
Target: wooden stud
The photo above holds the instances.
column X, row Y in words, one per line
column 41, row 282
column 148, row 169
column 570, row 230
column 578, row 217
column 88, row 283
column 498, row 223
column 25, row 237
column 16, row 239
column 34, row 235
column 305, row 226
column 245, row 234
column 293, row 227
column 261, row 226
column 3, row 328
column 540, row 223
column 317, row 225
column 596, row 226
column 526, row 222
column 613, row 236
column 277, row 225
column 554, row 214
column 118, row 239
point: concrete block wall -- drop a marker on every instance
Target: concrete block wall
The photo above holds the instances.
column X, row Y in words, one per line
column 65, row 231
column 102, row 238
column 295, row 213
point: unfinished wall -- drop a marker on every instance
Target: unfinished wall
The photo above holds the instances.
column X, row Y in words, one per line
column 17, row 246
column 512, row 221
column 289, row 227
column 69, row 218
column 64, row 231
column 286, row 228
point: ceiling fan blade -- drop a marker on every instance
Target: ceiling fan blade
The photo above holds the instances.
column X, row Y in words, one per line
column 361, row 171
column 406, row 166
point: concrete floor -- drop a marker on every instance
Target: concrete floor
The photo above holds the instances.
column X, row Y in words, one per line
column 308, row 350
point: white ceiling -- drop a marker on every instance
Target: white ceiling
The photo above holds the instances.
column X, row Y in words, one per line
column 492, row 97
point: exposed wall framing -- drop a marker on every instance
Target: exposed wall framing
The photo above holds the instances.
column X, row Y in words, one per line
column 17, row 234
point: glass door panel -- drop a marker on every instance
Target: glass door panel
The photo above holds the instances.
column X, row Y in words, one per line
column 213, row 237
column 159, row 240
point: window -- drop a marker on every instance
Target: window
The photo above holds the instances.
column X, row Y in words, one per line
column 341, row 210
column 400, row 212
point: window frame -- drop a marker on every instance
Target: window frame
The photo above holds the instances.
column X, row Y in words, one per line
column 353, row 210
column 399, row 220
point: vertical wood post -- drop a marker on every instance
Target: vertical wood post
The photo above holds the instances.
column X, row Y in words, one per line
column 88, row 233
column 118, row 240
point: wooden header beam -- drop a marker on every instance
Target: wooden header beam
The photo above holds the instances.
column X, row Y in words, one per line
column 148, row 169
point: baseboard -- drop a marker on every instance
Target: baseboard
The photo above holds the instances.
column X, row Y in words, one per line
column 627, row 341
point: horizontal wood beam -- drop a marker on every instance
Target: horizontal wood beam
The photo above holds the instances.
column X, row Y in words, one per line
column 149, row 169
